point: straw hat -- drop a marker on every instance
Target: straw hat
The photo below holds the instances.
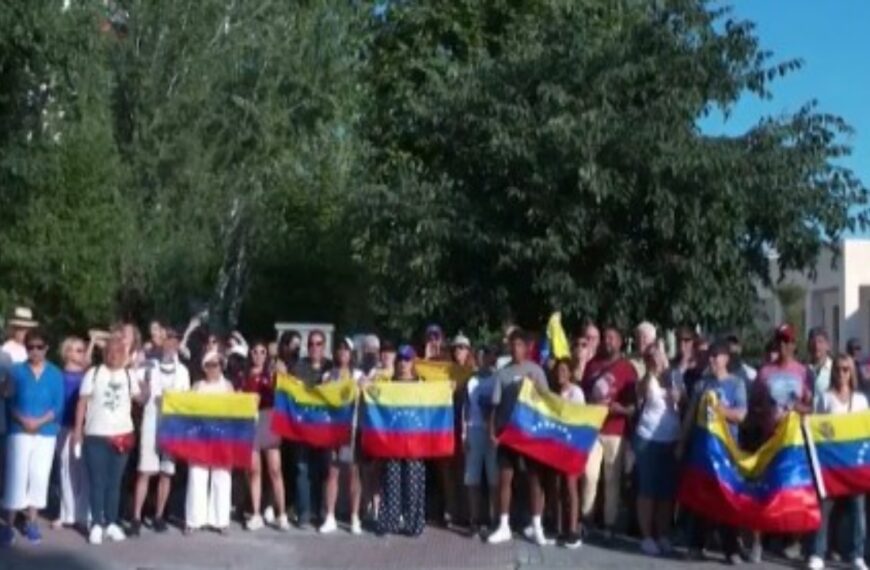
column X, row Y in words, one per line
column 22, row 317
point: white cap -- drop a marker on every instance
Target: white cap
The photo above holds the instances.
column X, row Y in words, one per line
column 461, row 340
column 212, row 356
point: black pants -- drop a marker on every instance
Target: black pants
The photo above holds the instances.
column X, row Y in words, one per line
column 701, row 529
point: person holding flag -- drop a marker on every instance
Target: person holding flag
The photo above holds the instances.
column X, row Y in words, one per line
column 508, row 381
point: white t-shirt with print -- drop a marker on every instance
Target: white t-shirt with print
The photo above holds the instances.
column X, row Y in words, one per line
column 111, row 393
column 831, row 404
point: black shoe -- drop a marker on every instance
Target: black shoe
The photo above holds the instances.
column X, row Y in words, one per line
column 160, row 525
column 135, row 528
column 572, row 541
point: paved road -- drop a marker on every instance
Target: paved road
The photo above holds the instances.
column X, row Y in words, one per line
column 437, row 549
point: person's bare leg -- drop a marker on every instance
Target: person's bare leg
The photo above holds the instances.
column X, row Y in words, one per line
column 355, row 491
column 255, row 481
column 573, row 494
column 645, row 516
column 163, row 486
column 142, row 480
column 331, row 490
column 273, row 464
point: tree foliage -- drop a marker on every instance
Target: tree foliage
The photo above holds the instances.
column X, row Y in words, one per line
column 388, row 163
column 546, row 155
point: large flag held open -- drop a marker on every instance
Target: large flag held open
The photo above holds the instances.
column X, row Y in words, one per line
column 408, row 420
column 840, row 449
column 214, row 430
column 320, row 416
column 551, row 430
column 770, row 490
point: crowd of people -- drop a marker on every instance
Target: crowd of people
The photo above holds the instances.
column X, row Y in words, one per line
column 99, row 407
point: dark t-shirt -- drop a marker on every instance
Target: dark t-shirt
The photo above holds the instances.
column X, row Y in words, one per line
column 309, row 374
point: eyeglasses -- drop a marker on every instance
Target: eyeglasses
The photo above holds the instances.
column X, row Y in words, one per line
column 31, row 347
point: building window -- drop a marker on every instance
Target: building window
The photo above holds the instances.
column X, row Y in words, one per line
column 835, row 319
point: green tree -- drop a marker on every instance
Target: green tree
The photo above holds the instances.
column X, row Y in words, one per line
column 529, row 156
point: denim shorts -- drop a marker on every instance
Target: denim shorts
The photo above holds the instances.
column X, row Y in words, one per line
column 656, row 469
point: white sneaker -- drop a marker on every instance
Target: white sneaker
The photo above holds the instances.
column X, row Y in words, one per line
column 859, row 564
column 649, row 547
column 96, row 535
column 254, row 523
column 283, row 523
column 816, row 563
column 501, row 534
column 329, row 525
column 355, row 526
column 114, row 533
column 269, row 515
column 536, row 535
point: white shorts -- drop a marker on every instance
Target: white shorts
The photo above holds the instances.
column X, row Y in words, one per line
column 150, row 459
column 28, row 469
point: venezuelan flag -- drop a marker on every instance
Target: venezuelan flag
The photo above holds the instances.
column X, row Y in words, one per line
column 442, row 371
column 551, row 430
column 840, row 449
column 320, row 416
column 770, row 490
column 408, row 420
column 215, row 430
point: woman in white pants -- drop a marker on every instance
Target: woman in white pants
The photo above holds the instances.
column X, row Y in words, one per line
column 35, row 404
column 73, row 476
column 209, row 489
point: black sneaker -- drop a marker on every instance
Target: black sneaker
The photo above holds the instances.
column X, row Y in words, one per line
column 160, row 525
column 135, row 528
column 572, row 541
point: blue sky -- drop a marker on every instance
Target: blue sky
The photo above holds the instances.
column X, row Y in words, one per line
column 833, row 40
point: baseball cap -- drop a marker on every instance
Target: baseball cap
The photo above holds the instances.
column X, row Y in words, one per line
column 434, row 330
column 785, row 333
column 347, row 343
column 406, row 352
column 461, row 340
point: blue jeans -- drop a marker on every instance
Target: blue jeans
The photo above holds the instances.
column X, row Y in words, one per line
column 854, row 507
column 105, row 466
column 310, row 463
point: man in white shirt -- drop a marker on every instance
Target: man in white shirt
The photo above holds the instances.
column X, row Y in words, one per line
column 820, row 363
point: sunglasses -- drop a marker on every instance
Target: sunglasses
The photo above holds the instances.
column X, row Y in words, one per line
column 315, row 343
column 35, row 347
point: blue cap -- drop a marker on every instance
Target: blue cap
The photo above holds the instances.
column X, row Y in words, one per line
column 433, row 330
column 406, row 352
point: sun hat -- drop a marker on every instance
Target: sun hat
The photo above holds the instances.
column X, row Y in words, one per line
column 22, row 317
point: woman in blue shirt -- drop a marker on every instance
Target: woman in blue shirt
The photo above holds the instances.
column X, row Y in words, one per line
column 35, row 404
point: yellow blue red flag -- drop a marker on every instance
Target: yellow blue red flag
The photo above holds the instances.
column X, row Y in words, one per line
column 320, row 416
column 408, row 420
column 215, row 430
column 771, row 490
column 552, row 430
column 840, row 449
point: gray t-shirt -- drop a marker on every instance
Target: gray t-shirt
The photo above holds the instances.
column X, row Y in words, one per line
column 507, row 387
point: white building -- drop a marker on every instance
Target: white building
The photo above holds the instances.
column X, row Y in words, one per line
column 837, row 298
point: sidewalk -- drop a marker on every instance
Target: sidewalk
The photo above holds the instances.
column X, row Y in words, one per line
column 436, row 549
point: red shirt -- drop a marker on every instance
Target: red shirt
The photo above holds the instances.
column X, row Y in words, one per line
column 262, row 384
column 605, row 382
